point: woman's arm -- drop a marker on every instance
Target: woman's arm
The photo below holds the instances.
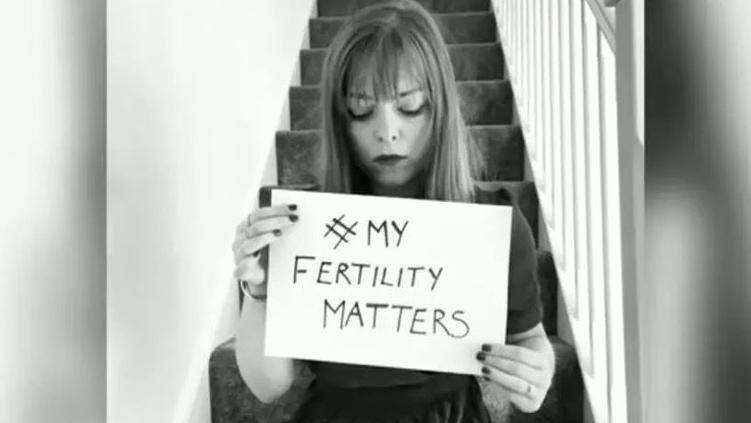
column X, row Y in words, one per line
column 267, row 377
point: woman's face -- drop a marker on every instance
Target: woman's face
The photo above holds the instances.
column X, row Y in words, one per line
column 390, row 137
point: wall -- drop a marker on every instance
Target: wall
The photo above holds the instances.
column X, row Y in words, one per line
column 195, row 91
column 52, row 191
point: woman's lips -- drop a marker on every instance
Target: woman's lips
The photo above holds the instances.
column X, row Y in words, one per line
column 389, row 159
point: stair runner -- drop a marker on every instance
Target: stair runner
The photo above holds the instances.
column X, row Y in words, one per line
column 468, row 26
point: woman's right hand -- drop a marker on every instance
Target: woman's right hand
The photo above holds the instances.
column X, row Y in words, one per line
column 262, row 227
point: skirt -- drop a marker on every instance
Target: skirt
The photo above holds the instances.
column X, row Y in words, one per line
column 442, row 398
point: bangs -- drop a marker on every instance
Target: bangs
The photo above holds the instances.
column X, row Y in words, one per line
column 378, row 61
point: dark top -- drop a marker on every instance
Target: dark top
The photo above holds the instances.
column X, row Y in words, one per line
column 524, row 310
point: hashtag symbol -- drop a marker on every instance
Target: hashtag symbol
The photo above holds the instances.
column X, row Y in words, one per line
column 346, row 230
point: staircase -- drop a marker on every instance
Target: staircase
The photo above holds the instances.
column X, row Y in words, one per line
column 468, row 26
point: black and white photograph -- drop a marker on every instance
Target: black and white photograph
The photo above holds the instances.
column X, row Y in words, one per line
column 365, row 211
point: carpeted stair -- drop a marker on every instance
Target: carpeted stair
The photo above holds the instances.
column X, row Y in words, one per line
column 471, row 62
column 487, row 105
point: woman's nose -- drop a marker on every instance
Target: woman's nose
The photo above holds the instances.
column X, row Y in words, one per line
column 387, row 124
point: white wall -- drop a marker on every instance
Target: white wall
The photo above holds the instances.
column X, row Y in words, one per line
column 52, row 189
column 195, row 91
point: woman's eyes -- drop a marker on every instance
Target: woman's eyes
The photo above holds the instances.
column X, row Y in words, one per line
column 413, row 110
column 360, row 109
column 410, row 105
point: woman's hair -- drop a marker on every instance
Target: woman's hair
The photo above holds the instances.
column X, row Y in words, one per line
column 371, row 49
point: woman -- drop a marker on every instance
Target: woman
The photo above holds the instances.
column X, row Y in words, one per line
column 392, row 127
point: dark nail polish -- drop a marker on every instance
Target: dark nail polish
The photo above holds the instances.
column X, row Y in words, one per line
column 277, row 232
column 292, row 207
column 485, row 370
column 481, row 356
column 485, row 347
column 293, row 218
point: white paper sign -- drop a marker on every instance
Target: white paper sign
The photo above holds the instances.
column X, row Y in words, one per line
column 388, row 282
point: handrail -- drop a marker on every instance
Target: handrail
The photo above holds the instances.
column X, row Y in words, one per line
column 606, row 24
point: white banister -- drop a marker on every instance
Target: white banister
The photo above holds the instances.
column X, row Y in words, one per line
column 561, row 62
column 556, row 110
column 605, row 18
column 566, row 258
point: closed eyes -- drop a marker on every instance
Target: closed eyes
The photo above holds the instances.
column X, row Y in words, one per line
column 360, row 107
column 410, row 104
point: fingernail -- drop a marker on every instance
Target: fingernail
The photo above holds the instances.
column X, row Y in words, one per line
column 292, row 207
column 481, row 356
column 485, row 370
column 486, row 379
column 293, row 218
column 485, row 347
column 256, row 253
column 277, row 232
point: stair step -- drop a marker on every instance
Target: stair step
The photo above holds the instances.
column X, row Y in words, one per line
column 348, row 7
column 547, row 277
column 470, row 61
column 232, row 401
column 298, row 157
column 482, row 103
column 461, row 27
column 503, row 148
column 298, row 153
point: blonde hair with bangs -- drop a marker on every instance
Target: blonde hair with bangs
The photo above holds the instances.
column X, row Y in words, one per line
column 373, row 47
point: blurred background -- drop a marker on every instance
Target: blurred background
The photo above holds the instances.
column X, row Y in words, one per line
column 96, row 101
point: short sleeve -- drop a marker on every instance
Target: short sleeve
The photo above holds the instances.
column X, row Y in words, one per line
column 524, row 304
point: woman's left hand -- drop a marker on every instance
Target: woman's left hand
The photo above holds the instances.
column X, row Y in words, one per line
column 524, row 373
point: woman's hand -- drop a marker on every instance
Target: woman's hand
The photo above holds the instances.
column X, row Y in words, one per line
column 524, row 370
column 262, row 227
